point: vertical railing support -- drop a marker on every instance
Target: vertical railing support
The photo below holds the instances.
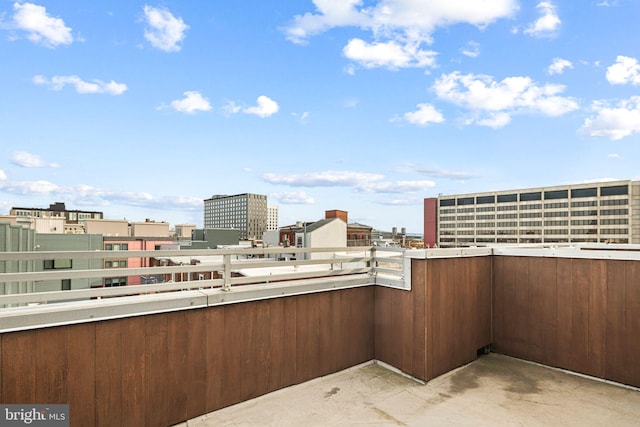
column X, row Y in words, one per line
column 227, row 273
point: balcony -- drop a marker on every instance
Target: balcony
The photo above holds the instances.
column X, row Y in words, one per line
column 161, row 354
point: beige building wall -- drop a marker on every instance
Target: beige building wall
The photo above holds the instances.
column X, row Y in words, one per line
column 149, row 229
column 107, row 227
column 183, row 231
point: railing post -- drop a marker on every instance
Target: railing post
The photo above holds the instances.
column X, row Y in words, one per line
column 227, row 272
column 372, row 262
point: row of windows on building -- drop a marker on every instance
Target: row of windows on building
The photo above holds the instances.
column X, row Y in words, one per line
column 547, row 223
column 554, row 231
column 536, row 206
column 553, row 214
column 614, row 190
column 462, row 241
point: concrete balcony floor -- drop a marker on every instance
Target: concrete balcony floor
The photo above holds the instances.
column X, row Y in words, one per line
column 493, row 390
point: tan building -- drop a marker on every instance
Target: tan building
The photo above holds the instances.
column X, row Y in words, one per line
column 604, row 212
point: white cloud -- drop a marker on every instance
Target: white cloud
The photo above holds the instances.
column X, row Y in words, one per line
column 471, row 49
column 3, row 175
column 558, row 66
column 29, row 187
column 390, row 54
column 614, row 156
column 302, row 117
column 329, row 178
column 293, row 198
column 614, row 122
column 192, row 102
column 398, row 28
column 395, row 187
column 265, row 107
column 547, row 24
column 42, row 28
column 165, row 31
column 28, row 160
column 625, row 70
column 230, row 108
column 435, row 172
column 407, row 201
column 81, row 86
column 499, row 100
column 415, row 19
column 424, row 115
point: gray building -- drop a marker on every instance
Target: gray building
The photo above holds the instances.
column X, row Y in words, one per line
column 68, row 242
column 603, row 212
column 244, row 212
column 15, row 238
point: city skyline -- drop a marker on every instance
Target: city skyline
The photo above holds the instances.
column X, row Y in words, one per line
column 145, row 109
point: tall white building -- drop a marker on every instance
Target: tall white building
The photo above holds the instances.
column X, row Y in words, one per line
column 244, row 212
column 604, row 212
column 272, row 218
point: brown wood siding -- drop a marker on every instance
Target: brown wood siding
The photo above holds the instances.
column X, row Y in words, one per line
column 162, row 369
column 441, row 323
column 577, row 314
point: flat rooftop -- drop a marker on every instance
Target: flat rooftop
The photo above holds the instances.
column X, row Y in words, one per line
column 493, row 390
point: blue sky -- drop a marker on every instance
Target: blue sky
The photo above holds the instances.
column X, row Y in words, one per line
column 143, row 110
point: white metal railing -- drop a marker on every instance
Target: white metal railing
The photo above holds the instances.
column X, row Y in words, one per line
column 229, row 266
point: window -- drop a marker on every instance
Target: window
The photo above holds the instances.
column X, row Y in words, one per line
column 583, row 192
column 534, row 206
column 465, row 210
column 508, row 208
column 484, row 216
column 584, row 231
column 66, row 284
column 615, row 190
column 485, row 199
column 503, row 198
column 615, row 202
column 530, row 223
column 447, row 218
column 584, row 204
column 486, row 209
column 584, row 213
column 465, row 218
column 556, row 194
column 58, row 264
column 556, row 214
column 448, row 202
column 525, row 197
column 562, row 205
column 464, row 201
column 530, row 214
column 556, row 223
column 585, row 221
column 115, row 281
column 115, row 264
column 556, row 232
column 614, row 221
column 507, row 216
column 614, row 211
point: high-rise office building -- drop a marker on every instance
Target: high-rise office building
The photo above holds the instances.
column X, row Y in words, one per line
column 244, row 212
column 272, row 218
column 603, row 212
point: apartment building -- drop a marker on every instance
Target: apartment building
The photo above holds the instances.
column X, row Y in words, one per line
column 272, row 218
column 73, row 218
column 604, row 212
column 244, row 212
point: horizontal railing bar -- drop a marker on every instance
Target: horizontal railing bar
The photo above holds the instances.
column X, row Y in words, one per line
column 387, row 271
column 141, row 271
column 117, row 291
column 389, row 260
column 304, row 274
column 99, row 254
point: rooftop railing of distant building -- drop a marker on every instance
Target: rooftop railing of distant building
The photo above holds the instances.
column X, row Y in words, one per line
column 185, row 279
